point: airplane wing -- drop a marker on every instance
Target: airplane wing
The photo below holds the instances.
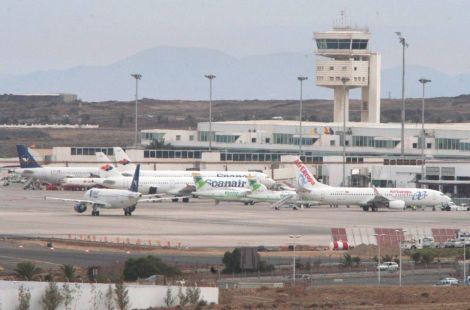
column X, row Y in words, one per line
column 157, row 199
column 378, row 199
column 186, row 190
column 281, row 202
column 94, row 203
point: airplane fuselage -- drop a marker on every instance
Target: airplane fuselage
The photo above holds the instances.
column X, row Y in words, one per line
column 112, row 198
column 360, row 196
column 58, row 174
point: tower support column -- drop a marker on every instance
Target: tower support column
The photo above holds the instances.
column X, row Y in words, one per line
column 341, row 104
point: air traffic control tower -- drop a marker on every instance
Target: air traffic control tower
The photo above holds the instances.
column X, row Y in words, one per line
column 344, row 63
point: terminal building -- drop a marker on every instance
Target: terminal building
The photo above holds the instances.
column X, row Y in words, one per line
column 373, row 149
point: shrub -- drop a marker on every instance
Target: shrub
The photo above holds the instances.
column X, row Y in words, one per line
column 122, row 296
column 24, row 298
column 27, row 271
column 52, row 297
column 231, row 261
column 347, row 260
column 68, row 272
column 147, row 266
column 169, row 299
column 356, row 260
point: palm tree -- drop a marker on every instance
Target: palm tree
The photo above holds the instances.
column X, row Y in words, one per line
column 27, row 270
column 69, row 272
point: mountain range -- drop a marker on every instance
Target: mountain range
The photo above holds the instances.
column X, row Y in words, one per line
column 178, row 73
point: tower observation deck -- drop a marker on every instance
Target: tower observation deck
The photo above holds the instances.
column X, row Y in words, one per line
column 344, row 62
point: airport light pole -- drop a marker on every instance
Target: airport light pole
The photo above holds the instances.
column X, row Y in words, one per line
column 137, row 77
column 210, row 77
column 344, row 80
column 423, row 136
column 378, row 257
column 301, row 79
column 464, row 263
column 404, row 45
column 401, row 241
column 294, row 237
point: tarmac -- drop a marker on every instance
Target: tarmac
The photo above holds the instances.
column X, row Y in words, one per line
column 201, row 223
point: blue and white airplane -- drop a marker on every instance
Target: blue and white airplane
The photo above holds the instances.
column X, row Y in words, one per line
column 103, row 198
column 29, row 168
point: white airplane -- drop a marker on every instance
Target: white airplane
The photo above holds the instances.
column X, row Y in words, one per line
column 205, row 190
column 125, row 163
column 259, row 193
column 111, row 198
column 365, row 197
column 176, row 186
column 29, row 168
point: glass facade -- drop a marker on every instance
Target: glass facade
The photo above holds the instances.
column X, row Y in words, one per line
column 195, row 154
column 226, row 138
column 385, row 144
column 249, row 156
column 447, row 144
column 155, row 136
column 464, row 146
column 204, row 136
column 283, row 138
column 91, row 150
column 362, row 141
column 347, row 44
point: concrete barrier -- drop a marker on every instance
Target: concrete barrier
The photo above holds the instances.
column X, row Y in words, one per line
column 92, row 296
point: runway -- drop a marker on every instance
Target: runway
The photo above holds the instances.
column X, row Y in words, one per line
column 201, row 223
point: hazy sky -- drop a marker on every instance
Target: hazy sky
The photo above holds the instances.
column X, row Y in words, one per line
column 55, row 34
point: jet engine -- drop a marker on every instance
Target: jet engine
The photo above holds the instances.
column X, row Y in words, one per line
column 80, row 207
column 396, row 204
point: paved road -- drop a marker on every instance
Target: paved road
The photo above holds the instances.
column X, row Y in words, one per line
column 11, row 254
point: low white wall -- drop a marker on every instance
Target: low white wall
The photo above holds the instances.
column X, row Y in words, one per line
column 87, row 295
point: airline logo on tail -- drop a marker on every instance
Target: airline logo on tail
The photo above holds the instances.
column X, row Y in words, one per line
column 135, row 180
column 106, row 167
column 305, row 176
column 254, row 185
column 25, row 158
column 124, row 161
column 198, row 181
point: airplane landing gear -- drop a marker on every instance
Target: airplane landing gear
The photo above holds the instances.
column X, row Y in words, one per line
column 127, row 212
column 186, row 199
column 95, row 213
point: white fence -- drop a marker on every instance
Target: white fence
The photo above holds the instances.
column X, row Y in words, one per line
column 93, row 296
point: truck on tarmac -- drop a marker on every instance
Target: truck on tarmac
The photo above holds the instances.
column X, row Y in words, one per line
column 420, row 243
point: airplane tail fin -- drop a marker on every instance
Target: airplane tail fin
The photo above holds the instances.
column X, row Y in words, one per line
column 121, row 156
column 102, row 158
column 135, row 180
column 304, row 178
column 200, row 183
column 255, row 186
column 108, row 171
column 26, row 159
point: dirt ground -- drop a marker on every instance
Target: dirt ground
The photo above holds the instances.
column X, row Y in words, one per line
column 347, row 297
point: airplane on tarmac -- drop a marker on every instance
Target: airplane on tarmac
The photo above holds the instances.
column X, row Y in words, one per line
column 259, row 193
column 365, row 197
column 176, row 186
column 125, row 163
column 111, row 198
column 205, row 190
column 29, row 168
